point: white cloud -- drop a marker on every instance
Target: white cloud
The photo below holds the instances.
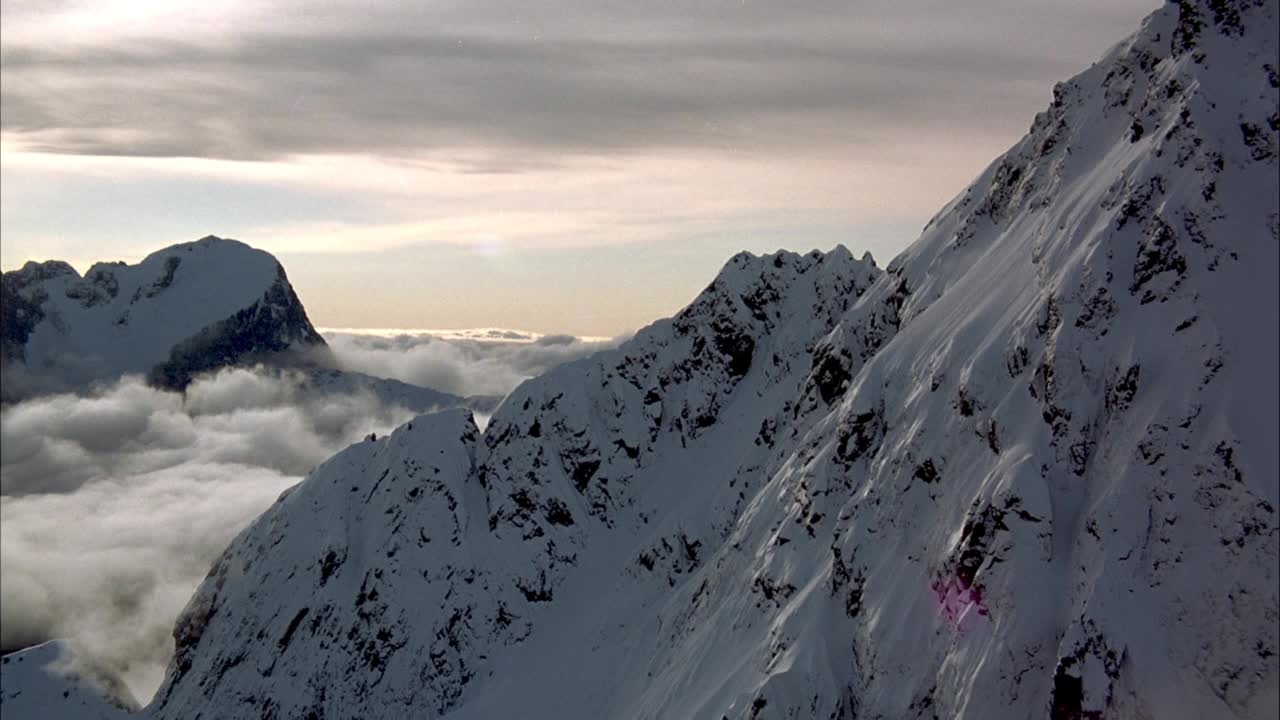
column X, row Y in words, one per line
column 250, row 417
column 115, row 504
column 460, row 364
column 111, row 565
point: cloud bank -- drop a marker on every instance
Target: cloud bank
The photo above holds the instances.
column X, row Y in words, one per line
column 489, row 362
column 111, row 565
column 238, row 417
column 115, row 504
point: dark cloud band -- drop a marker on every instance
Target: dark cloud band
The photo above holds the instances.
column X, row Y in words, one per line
column 546, row 79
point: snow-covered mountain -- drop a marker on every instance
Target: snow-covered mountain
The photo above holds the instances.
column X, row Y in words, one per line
column 183, row 310
column 1027, row 470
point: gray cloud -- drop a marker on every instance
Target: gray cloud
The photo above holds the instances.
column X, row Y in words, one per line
column 115, row 504
column 547, row 78
column 244, row 417
column 459, row 365
column 111, row 565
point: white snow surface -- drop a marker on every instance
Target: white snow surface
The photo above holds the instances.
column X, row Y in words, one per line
column 123, row 318
column 35, row 683
column 1028, row 470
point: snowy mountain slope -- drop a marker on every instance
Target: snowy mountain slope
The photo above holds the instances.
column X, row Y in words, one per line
column 185, row 309
column 32, row 684
column 1028, row 470
column 390, row 392
column 435, row 511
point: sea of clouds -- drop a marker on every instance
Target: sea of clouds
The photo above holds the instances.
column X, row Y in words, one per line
column 473, row 362
column 116, row 499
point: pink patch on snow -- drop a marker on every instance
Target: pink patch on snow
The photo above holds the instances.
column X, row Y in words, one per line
column 959, row 603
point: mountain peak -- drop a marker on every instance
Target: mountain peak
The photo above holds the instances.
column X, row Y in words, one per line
column 187, row 308
column 33, row 271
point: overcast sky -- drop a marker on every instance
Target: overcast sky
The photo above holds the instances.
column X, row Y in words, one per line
column 553, row 165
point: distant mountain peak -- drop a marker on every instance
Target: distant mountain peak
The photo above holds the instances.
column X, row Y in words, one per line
column 187, row 308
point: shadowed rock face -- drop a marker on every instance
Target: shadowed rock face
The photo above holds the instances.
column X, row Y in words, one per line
column 19, row 314
column 277, row 323
column 20, row 303
column 183, row 310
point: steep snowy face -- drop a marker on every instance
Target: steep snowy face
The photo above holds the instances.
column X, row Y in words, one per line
column 427, row 554
column 1027, row 471
column 1062, row 466
column 182, row 310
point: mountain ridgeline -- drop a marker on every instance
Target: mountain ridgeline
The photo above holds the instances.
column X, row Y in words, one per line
column 1027, row 470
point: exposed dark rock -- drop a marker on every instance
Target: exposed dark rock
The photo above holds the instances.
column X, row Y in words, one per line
column 18, row 317
column 926, row 472
column 1157, row 255
column 293, row 627
column 860, row 435
column 831, row 373
column 275, row 324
